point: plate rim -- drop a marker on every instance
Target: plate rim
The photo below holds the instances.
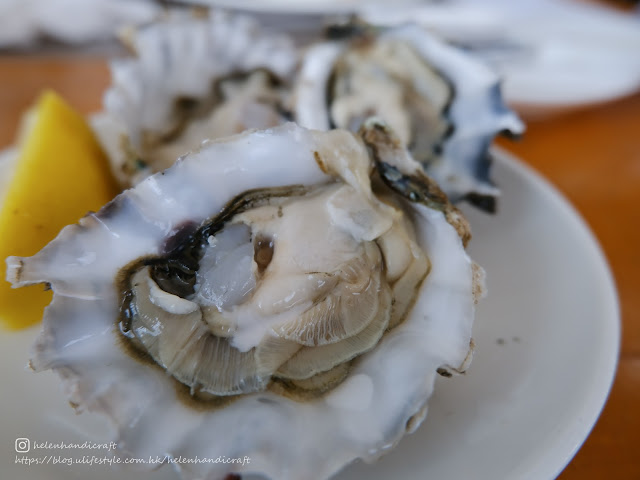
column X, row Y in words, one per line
column 594, row 405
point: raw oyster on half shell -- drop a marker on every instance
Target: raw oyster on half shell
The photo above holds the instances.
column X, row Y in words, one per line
column 191, row 77
column 287, row 295
column 443, row 104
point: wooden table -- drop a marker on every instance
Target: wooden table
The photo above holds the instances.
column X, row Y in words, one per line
column 592, row 156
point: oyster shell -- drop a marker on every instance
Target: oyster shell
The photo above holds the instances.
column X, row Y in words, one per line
column 443, row 104
column 286, row 295
column 191, row 77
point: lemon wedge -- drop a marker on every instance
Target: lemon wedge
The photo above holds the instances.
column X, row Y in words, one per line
column 59, row 174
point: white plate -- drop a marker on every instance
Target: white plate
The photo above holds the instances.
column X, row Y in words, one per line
column 299, row 6
column 547, row 344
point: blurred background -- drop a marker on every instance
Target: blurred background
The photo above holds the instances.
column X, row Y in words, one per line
column 552, row 54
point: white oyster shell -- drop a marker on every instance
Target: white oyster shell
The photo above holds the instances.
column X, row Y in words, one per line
column 475, row 110
column 385, row 393
column 182, row 57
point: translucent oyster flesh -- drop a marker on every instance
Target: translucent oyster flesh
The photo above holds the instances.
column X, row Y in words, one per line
column 287, row 295
column 443, row 104
column 190, row 78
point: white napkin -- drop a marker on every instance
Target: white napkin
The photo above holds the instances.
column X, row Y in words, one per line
column 551, row 53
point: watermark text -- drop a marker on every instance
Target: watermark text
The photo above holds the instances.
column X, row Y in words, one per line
column 36, row 455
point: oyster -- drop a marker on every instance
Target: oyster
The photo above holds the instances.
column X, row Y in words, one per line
column 207, row 77
column 191, row 78
column 285, row 295
column 442, row 103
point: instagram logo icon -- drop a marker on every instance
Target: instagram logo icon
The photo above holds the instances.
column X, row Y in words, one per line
column 23, row 445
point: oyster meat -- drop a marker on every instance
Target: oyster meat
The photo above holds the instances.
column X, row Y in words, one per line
column 443, row 104
column 287, row 295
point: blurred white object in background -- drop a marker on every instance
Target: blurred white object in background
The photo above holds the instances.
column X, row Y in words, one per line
column 304, row 6
column 552, row 54
column 23, row 22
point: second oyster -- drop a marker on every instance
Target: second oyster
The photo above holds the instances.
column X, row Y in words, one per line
column 191, row 78
column 443, row 104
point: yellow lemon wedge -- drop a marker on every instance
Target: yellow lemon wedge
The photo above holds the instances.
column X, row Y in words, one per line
column 59, row 175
